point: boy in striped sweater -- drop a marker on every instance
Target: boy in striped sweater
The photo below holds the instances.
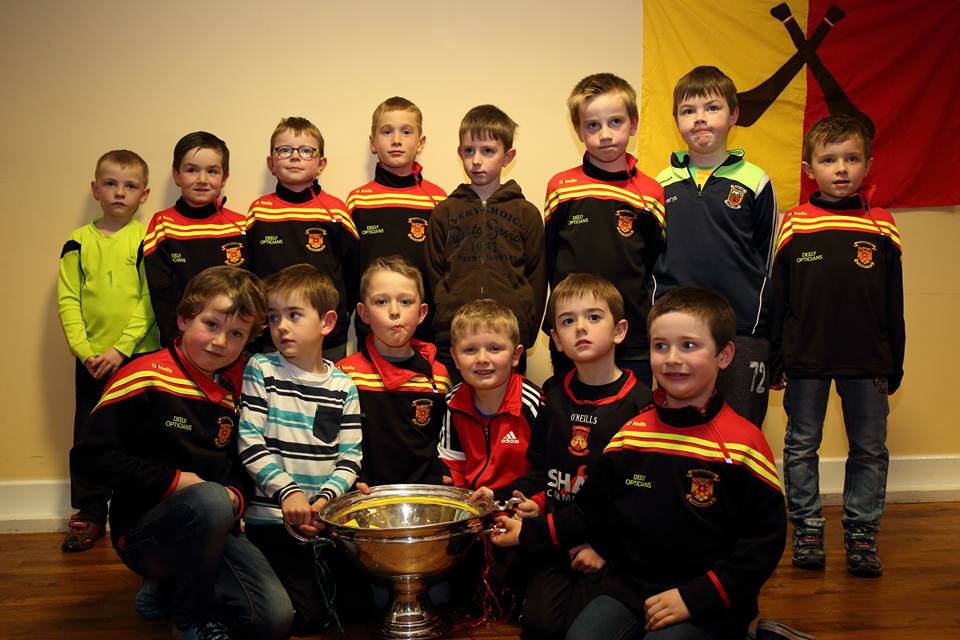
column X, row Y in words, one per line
column 299, row 433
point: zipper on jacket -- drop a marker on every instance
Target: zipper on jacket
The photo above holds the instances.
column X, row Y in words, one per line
column 486, row 462
column 716, row 437
column 483, row 248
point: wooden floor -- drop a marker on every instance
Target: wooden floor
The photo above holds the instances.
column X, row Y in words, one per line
column 45, row 593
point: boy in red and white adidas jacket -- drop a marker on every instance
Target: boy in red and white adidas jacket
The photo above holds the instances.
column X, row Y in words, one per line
column 493, row 412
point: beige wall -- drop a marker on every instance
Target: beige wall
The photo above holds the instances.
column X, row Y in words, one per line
column 79, row 78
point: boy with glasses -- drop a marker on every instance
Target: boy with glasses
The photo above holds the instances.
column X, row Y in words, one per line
column 299, row 222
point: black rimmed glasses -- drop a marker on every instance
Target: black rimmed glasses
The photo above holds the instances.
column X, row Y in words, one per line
column 305, row 152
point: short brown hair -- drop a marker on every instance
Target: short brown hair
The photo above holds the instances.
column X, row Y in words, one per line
column 201, row 140
column 599, row 84
column 396, row 103
column 484, row 313
column 396, row 264
column 835, row 129
column 709, row 306
column 298, row 126
column 702, row 82
column 242, row 287
column 123, row 158
column 577, row 285
column 489, row 122
column 305, row 280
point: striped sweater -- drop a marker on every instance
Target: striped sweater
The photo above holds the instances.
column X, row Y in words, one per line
column 299, row 431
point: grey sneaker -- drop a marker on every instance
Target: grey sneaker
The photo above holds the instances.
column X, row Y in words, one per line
column 808, row 547
column 862, row 558
column 772, row 630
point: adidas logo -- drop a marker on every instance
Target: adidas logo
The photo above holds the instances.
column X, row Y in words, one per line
column 510, row 438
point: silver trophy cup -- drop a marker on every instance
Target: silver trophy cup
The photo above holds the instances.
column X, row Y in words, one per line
column 407, row 533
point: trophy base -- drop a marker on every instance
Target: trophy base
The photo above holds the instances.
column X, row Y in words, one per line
column 409, row 618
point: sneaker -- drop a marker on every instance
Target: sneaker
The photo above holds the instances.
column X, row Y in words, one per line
column 862, row 559
column 808, row 547
column 81, row 534
column 202, row 631
column 152, row 602
column 772, row 630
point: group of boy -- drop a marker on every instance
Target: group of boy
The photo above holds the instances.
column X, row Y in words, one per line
column 161, row 438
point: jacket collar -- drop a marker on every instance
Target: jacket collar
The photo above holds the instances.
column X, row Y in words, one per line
column 512, row 403
column 688, row 416
column 198, row 213
column 628, row 384
column 298, row 197
column 214, row 391
column 681, row 159
column 860, row 201
column 509, row 190
column 392, row 375
column 595, row 172
column 392, row 180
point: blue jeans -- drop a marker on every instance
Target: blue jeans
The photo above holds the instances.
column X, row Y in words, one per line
column 218, row 575
column 865, row 408
column 608, row 618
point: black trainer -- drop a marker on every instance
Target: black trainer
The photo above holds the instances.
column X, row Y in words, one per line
column 862, row 558
column 808, row 547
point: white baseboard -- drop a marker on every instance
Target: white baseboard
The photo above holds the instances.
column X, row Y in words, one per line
column 44, row 505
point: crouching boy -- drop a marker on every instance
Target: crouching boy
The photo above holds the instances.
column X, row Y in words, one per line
column 695, row 568
column 299, row 438
column 163, row 438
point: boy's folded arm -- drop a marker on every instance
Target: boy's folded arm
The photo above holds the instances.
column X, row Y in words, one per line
column 104, row 453
column 738, row 576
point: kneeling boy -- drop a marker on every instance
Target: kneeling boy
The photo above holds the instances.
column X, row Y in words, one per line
column 687, row 489
column 163, row 438
column 584, row 409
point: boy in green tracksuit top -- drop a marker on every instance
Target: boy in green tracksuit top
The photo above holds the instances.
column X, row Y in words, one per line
column 720, row 221
column 105, row 311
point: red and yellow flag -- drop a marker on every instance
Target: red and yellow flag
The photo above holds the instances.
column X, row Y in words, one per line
column 893, row 63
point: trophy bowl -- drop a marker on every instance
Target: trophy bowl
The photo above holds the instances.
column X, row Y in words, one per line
column 407, row 533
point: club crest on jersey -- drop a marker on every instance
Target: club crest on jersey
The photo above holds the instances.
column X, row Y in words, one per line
column 625, row 218
column 316, row 239
column 865, row 250
column 421, row 411
column 701, row 487
column 232, row 253
column 579, row 440
column 418, row 229
column 225, row 425
column 735, row 196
